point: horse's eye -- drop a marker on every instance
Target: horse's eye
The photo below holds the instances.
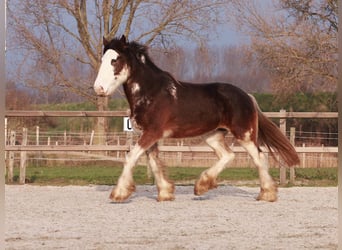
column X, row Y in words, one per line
column 113, row 61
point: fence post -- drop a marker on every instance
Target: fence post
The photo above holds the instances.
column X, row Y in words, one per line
column 91, row 137
column 65, row 137
column 23, row 156
column 118, row 144
column 303, row 157
column 37, row 135
column 11, row 158
column 5, row 144
column 321, row 158
column 292, row 141
column 282, row 126
column 40, row 153
column 6, row 131
column 180, row 154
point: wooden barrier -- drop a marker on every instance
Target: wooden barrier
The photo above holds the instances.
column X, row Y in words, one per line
column 11, row 158
column 24, row 148
column 122, row 113
column 24, row 113
column 23, row 157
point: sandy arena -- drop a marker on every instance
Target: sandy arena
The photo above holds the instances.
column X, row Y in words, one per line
column 78, row 217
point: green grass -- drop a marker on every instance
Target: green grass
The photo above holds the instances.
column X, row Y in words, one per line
column 108, row 175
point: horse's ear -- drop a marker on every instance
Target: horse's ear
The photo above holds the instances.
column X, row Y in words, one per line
column 105, row 41
column 123, row 39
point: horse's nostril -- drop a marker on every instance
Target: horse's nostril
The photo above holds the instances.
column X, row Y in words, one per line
column 99, row 90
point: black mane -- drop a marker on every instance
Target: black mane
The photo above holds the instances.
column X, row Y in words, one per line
column 135, row 51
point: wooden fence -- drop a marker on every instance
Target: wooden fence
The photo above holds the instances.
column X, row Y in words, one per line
column 178, row 149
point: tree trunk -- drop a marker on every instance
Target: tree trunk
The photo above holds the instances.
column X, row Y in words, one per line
column 101, row 126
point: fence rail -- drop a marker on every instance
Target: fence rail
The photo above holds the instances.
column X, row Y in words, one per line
column 23, row 113
column 168, row 149
column 161, row 148
column 283, row 115
column 122, row 113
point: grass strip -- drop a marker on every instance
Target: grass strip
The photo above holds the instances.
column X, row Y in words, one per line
column 108, row 175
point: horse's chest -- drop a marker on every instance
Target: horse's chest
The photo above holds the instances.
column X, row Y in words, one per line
column 148, row 105
column 139, row 100
column 140, row 110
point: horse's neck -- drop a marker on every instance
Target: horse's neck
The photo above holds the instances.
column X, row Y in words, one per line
column 135, row 92
column 145, row 86
column 129, row 97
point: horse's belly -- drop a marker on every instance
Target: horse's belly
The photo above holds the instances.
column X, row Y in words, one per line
column 193, row 129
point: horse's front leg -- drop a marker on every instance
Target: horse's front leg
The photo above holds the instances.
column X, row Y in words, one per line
column 165, row 187
column 125, row 186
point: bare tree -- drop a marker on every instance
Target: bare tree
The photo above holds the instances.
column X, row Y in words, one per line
column 60, row 41
column 16, row 98
column 296, row 43
column 233, row 64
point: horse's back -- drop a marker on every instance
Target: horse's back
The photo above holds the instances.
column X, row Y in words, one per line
column 233, row 107
column 225, row 95
column 226, row 90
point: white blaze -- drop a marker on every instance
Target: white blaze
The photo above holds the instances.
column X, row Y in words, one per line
column 106, row 82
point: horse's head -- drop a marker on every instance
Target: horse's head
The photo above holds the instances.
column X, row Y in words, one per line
column 114, row 69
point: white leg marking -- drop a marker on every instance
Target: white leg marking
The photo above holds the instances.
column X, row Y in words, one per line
column 165, row 188
column 222, row 151
column 131, row 160
column 268, row 187
column 259, row 161
column 125, row 184
column 207, row 179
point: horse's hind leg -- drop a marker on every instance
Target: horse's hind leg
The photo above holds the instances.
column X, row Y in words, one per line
column 165, row 187
column 268, row 188
column 207, row 179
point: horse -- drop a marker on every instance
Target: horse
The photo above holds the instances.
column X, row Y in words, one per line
column 163, row 107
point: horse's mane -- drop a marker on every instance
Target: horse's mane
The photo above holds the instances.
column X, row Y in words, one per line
column 142, row 50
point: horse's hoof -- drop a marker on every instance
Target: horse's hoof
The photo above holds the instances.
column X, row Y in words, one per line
column 199, row 189
column 121, row 194
column 166, row 193
column 166, row 197
column 268, row 195
column 204, row 184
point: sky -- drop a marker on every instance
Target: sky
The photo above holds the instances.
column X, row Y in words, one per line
column 226, row 35
column 229, row 36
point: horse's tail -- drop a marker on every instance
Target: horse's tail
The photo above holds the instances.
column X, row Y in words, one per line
column 271, row 136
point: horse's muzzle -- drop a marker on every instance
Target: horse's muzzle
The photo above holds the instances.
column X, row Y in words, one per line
column 99, row 91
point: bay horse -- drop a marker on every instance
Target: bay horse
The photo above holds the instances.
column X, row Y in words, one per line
column 162, row 107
